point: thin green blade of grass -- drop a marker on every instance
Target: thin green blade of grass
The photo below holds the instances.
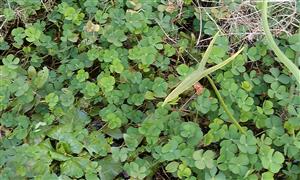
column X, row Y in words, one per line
column 196, row 76
column 281, row 56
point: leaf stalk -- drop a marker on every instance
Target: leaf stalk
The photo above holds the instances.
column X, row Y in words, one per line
column 281, row 56
column 221, row 100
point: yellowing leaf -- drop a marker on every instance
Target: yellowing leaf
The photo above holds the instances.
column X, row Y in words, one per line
column 91, row 27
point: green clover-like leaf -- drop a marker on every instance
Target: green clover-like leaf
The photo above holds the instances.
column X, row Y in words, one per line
column 204, row 159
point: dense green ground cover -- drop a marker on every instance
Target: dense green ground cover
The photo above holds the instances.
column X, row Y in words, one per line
column 82, row 84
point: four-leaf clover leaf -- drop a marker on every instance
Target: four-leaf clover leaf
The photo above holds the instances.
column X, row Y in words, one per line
column 204, row 159
column 247, row 144
column 272, row 160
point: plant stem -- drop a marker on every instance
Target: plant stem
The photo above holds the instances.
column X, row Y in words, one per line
column 281, row 56
column 233, row 120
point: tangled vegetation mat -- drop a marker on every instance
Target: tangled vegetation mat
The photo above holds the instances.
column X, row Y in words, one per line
column 149, row 89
